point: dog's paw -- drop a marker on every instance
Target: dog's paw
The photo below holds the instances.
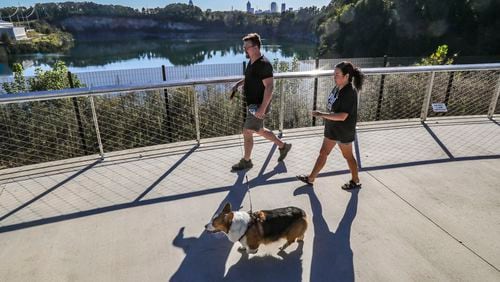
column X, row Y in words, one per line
column 242, row 249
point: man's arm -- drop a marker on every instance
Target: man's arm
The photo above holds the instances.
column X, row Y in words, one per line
column 268, row 94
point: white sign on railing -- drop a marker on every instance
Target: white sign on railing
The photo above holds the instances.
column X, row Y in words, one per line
column 439, row 107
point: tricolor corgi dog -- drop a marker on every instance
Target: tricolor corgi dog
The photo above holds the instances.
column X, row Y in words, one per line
column 261, row 227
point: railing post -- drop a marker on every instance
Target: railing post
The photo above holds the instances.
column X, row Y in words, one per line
column 448, row 89
column 168, row 118
column 78, row 116
column 96, row 125
column 427, row 99
column 315, row 97
column 381, row 91
column 494, row 100
column 196, row 117
column 282, row 107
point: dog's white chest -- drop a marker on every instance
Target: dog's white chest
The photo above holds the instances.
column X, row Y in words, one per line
column 239, row 226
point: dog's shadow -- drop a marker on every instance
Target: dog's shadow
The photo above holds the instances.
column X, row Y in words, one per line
column 332, row 257
column 268, row 268
column 207, row 254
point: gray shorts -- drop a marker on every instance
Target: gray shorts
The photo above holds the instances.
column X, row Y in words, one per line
column 251, row 122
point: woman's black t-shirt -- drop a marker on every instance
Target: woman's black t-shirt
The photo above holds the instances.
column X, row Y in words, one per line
column 343, row 101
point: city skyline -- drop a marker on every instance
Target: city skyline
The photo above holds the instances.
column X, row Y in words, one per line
column 220, row 5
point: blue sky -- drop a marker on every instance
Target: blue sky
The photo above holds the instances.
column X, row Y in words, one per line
column 218, row 5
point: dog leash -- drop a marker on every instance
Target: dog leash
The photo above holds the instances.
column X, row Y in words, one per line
column 242, row 153
column 249, row 195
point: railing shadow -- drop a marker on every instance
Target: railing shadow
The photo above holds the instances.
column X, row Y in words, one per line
column 263, row 178
column 168, row 172
column 332, row 257
column 45, row 193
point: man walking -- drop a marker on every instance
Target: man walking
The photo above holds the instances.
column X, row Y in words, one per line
column 258, row 92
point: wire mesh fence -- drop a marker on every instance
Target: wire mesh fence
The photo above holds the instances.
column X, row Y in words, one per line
column 464, row 93
column 120, row 77
column 41, row 131
column 35, row 132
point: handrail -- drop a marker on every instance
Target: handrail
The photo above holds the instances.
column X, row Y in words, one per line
column 100, row 90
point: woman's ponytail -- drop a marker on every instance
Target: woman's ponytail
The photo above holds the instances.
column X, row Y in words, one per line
column 359, row 78
column 354, row 73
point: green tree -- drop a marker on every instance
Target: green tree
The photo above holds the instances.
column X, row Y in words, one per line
column 54, row 79
column 19, row 83
column 439, row 57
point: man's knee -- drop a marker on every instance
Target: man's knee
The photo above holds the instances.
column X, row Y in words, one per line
column 262, row 131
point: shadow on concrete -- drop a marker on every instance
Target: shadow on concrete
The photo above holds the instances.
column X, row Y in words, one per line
column 259, row 181
column 332, row 257
column 45, row 193
column 167, row 173
column 268, row 268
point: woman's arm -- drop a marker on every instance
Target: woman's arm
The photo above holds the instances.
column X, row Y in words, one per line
column 330, row 116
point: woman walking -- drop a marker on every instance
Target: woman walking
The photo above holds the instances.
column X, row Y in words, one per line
column 340, row 122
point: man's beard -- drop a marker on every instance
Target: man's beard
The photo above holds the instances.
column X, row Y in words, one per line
column 246, row 55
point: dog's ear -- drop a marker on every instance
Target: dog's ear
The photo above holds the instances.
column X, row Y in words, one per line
column 229, row 217
column 227, row 208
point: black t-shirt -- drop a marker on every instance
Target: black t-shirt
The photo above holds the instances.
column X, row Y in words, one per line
column 254, row 74
column 343, row 101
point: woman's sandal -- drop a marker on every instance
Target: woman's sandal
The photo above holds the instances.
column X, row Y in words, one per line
column 304, row 178
column 351, row 185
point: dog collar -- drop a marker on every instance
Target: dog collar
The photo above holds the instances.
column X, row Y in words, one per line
column 252, row 221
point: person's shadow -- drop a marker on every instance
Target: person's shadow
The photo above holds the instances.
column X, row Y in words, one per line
column 332, row 257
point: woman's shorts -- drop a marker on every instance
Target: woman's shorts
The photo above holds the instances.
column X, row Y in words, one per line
column 335, row 134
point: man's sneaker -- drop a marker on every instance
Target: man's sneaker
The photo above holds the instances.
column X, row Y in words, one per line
column 284, row 151
column 243, row 164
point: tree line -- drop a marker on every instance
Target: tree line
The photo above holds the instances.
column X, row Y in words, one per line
column 409, row 27
column 348, row 28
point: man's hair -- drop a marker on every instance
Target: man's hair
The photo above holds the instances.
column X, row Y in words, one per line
column 254, row 38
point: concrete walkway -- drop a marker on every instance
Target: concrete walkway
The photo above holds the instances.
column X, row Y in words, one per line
column 429, row 210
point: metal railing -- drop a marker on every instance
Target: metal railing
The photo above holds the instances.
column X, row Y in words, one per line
column 52, row 125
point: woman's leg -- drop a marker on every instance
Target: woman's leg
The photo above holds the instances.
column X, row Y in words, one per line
column 325, row 150
column 346, row 150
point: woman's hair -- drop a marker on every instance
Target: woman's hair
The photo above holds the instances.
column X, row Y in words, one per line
column 354, row 72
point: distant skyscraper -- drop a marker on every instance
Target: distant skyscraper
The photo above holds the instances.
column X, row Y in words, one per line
column 190, row 2
column 283, row 7
column 249, row 7
column 274, row 7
